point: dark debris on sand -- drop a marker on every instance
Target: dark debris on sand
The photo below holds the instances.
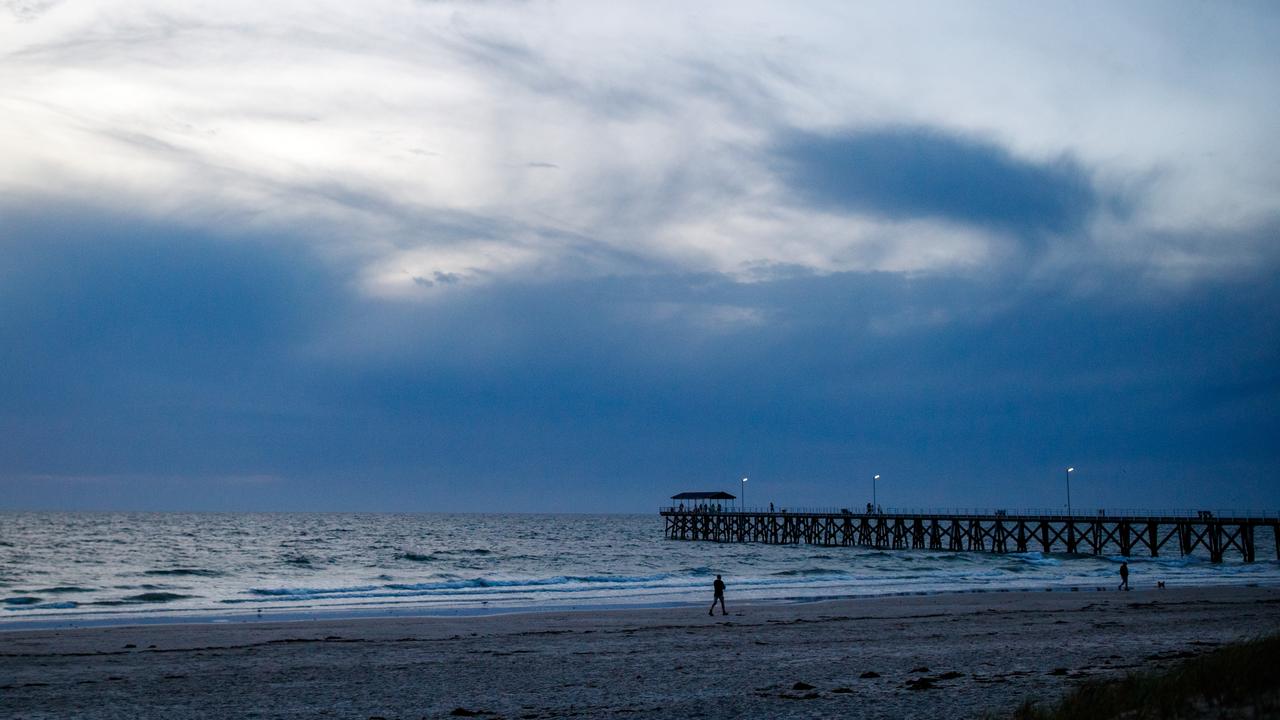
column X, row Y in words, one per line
column 930, row 683
column 923, row 683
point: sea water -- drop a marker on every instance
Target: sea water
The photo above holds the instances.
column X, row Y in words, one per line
column 92, row 568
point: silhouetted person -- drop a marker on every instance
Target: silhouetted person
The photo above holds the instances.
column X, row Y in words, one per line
column 1124, row 576
column 770, row 507
column 719, row 588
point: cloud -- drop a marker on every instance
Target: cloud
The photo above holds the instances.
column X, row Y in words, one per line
column 917, row 172
column 131, row 335
column 402, row 136
column 325, row 243
column 154, row 352
column 28, row 10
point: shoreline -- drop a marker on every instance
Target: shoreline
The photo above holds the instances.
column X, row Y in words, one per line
column 959, row 653
column 303, row 614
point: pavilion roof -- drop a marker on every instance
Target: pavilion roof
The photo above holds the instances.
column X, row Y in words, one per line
column 717, row 495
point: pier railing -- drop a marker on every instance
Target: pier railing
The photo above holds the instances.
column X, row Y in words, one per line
column 1122, row 531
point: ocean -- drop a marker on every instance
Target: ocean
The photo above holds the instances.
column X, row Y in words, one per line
column 62, row 569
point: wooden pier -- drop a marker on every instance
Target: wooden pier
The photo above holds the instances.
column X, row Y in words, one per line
column 993, row 531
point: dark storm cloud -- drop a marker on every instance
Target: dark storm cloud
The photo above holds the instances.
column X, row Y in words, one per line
column 76, row 279
column 985, row 403
column 914, row 172
column 140, row 347
column 168, row 361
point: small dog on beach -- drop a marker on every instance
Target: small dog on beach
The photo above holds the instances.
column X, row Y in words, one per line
column 1159, row 584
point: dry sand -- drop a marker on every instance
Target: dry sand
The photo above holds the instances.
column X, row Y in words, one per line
column 984, row 652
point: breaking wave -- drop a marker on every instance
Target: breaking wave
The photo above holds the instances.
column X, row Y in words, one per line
column 186, row 572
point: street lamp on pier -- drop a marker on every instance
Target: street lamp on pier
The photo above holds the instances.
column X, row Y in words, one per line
column 742, row 501
column 874, row 504
column 1069, row 471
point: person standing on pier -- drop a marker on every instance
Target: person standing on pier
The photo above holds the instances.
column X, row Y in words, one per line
column 1124, row 576
column 719, row 596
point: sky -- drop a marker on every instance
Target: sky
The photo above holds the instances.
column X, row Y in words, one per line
column 404, row 255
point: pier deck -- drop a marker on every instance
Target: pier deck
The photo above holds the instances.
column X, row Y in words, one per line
column 995, row 531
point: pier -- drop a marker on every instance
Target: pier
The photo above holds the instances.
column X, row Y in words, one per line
column 1127, row 533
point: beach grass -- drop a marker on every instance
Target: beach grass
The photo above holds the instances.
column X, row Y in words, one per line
column 1238, row 680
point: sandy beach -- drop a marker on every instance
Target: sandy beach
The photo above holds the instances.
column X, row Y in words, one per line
column 917, row 656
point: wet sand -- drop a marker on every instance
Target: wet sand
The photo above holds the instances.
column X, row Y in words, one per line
column 919, row 656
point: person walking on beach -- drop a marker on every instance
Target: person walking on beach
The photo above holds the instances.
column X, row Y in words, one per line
column 719, row 588
column 1124, row 576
